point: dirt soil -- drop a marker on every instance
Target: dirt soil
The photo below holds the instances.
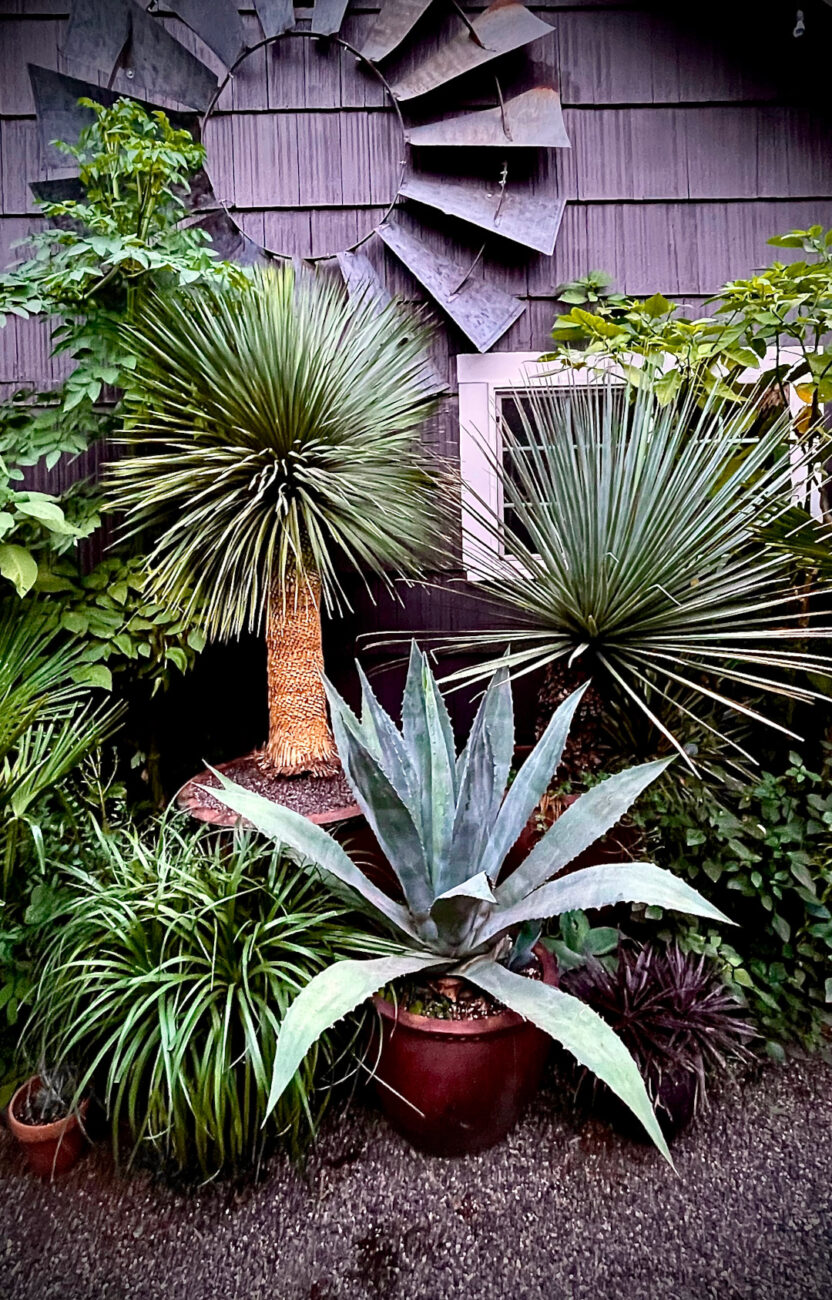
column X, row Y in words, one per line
column 564, row 1210
column 303, row 794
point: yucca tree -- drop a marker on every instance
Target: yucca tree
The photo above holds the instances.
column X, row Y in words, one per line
column 274, row 438
column 446, row 824
column 633, row 549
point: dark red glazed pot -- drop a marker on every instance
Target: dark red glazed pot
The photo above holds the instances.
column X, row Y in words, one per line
column 454, row 1087
column 50, row 1148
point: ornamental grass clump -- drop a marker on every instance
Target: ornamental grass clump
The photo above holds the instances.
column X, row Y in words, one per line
column 274, row 440
column 167, row 982
column 446, row 824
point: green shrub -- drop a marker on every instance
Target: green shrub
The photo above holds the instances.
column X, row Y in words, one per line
column 763, row 852
column 166, row 984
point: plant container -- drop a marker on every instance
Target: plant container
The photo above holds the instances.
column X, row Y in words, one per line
column 454, row 1087
column 50, row 1148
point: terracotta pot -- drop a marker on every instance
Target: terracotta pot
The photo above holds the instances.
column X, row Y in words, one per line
column 50, row 1148
column 453, row 1087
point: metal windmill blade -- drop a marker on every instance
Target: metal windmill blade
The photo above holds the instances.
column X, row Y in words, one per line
column 362, row 281
column 503, row 27
column 276, row 16
column 394, row 21
column 328, row 15
column 217, row 23
column 532, row 220
column 481, row 311
column 101, row 32
column 533, row 120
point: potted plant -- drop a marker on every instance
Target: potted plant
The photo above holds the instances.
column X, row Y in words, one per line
column 47, row 1120
column 676, row 1017
column 274, row 431
column 446, row 823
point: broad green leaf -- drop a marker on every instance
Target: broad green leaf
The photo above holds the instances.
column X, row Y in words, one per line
column 586, row 821
column 94, row 675
column 325, row 1000
column 19, row 566
column 603, row 886
column 577, row 1028
column 527, row 789
column 46, row 512
column 309, row 841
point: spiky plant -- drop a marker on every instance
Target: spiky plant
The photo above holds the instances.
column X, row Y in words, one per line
column 273, row 433
column 636, row 556
column 168, row 980
column 446, row 824
column 672, row 1011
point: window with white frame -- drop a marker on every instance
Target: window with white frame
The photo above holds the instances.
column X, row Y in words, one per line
column 491, row 386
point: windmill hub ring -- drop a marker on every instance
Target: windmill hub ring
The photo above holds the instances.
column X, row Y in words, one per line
column 316, row 171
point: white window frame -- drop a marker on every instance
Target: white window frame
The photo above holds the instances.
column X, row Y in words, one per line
column 483, row 377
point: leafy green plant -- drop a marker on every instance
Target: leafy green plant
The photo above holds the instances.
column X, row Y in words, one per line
column 635, row 554
column 580, row 942
column 168, row 982
column 274, row 434
column 446, row 828
column 784, row 308
column 764, row 850
column 672, row 1011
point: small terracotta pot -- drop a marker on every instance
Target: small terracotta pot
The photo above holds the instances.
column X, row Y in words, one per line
column 50, row 1148
column 453, row 1087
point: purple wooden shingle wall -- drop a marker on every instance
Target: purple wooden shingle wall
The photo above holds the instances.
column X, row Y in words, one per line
column 693, row 141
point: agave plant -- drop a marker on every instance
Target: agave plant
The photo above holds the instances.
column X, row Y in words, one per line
column 446, row 824
column 274, row 436
column 634, row 548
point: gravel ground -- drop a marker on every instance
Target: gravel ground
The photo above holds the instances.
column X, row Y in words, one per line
column 563, row 1210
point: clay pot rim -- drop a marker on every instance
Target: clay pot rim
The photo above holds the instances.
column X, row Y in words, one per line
column 187, row 799
column 502, row 1023
column 31, row 1133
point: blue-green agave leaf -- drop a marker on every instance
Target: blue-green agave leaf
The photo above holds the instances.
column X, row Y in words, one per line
column 528, row 788
column 590, row 817
column 460, row 912
column 577, row 1028
column 442, row 781
column 389, row 817
column 325, row 1000
column 388, row 747
column 603, row 886
column 311, row 843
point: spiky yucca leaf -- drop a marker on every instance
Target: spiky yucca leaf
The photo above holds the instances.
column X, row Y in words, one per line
column 637, row 549
column 274, row 431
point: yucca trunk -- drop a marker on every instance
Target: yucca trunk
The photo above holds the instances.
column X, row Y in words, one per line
column 299, row 736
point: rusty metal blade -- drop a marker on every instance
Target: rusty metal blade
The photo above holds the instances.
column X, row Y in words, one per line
column 217, row 23
column 327, row 16
column 393, row 22
column 61, row 117
column 533, row 120
column 276, row 16
column 161, row 66
column 529, row 219
column 481, row 311
column 362, row 281
column 504, row 26
column 97, row 32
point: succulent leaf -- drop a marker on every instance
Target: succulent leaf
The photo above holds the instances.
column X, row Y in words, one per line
column 577, row 1028
column 460, row 912
column 590, row 817
column 479, row 796
column 384, row 741
column 527, row 790
column 311, row 843
column 604, row 886
column 326, row 999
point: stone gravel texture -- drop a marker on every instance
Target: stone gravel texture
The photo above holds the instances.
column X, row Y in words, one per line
column 563, row 1210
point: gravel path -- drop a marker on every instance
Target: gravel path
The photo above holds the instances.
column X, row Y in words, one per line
column 562, row 1211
